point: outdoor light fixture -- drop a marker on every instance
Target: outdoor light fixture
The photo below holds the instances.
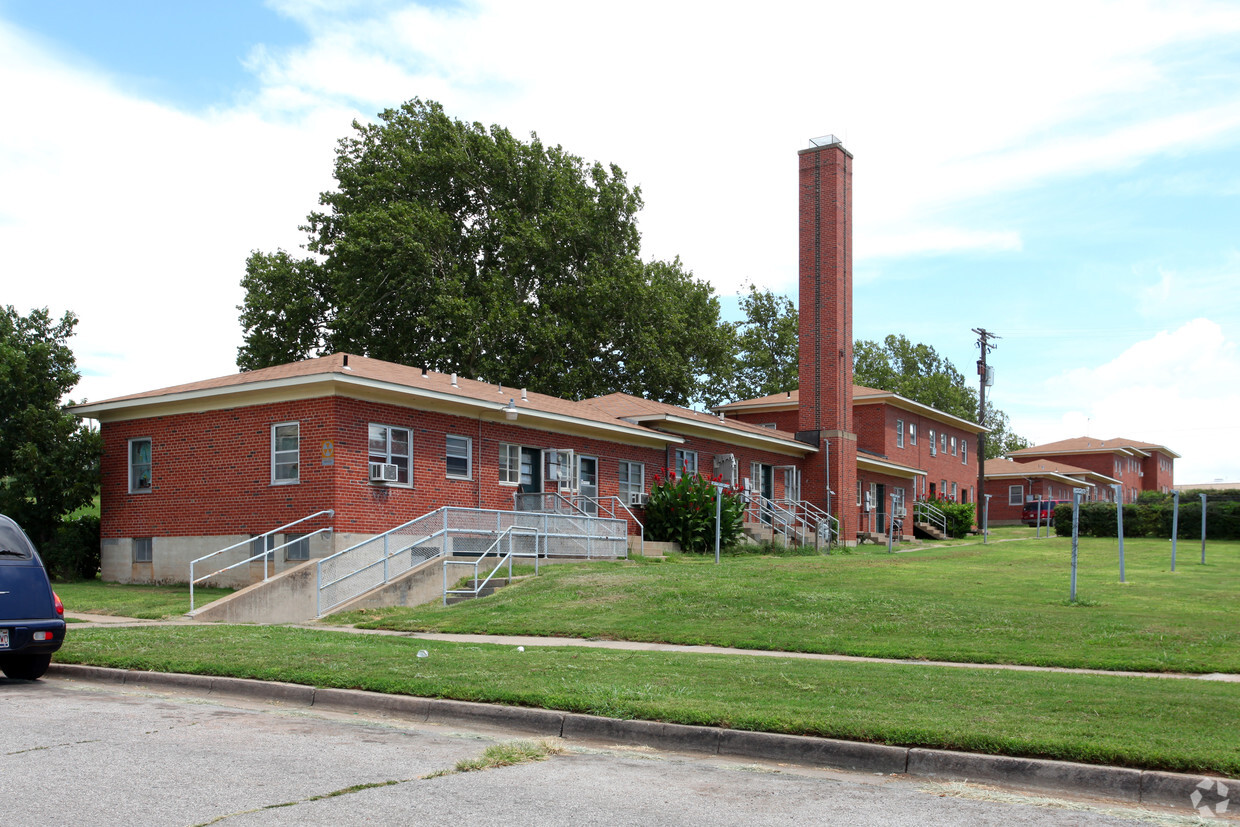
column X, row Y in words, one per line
column 510, row 410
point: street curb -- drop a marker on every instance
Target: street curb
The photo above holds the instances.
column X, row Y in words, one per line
column 1134, row 786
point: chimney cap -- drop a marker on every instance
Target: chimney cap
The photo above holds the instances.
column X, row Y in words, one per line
column 824, row 140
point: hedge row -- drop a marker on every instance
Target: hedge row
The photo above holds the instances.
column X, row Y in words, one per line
column 1152, row 518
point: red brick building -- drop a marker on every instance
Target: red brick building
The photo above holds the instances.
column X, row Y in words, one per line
column 1012, row 484
column 1135, row 466
column 193, row 468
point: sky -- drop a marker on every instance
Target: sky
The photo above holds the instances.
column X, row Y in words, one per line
column 1065, row 175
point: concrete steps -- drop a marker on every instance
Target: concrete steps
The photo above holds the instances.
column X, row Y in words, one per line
column 495, row 585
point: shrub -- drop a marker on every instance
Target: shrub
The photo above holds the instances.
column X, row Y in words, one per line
column 1152, row 517
column 74, row 552
column 960, row 516
column 681, row 509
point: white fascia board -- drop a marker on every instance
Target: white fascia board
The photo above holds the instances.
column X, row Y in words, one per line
column 782, row 405
column 871, row 464
column 1050, row 475
column 338, row 384
column 898, row 401
column 725, row 434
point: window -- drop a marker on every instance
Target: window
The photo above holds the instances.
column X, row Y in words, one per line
column 953, row 446
column 943, row 442
column 934, row 450
column 298, row 547
column 143, row 549
column 1016, row 495
column 460, row 452
column 260, row 544
column 953, row 490
column 897, row 501
column 391, row 446
column 770, row 425
column 285, row 451
column 509, row 464
column 139, row 466
column 942, row 488
column 912, row 433
column 964, row 452
column 632, row 480
column 899, row 433
column 686, row 461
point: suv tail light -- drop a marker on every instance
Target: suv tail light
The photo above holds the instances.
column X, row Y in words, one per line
column 60, row 607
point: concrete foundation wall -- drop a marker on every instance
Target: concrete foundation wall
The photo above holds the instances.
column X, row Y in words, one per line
column 171, row 556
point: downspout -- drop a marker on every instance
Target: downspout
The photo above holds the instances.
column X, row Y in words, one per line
column 478, row 464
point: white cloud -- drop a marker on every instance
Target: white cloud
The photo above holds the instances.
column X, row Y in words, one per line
column 1177, row 389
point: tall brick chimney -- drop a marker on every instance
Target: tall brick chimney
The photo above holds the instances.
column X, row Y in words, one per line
column 826, row 339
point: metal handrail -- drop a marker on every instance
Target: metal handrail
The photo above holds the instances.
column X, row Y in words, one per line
column 440, row 517
column 265, row 554
column 611, row 512
column 924, row 512
column 816, row 515
column 507, row 558
column 517, row 499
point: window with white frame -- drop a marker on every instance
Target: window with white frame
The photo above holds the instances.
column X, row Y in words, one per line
column 954, row 491
column 143, row 549
column 899, row 433
column 686, row 461
column 460, row 457
column 509, row 464
column 391, row 446
column 964, row 452
column 770, row 425
column 912, row 433
column 632, row 476
column 897, row 501
column 1016, row 495
column 953, row 446
column 298, row 547
column 943, row 441
column 942, row 488
column 285, row 453
column 934, row 446
column 140, row 466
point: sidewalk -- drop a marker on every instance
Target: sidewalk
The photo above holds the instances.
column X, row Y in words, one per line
column 639, row 646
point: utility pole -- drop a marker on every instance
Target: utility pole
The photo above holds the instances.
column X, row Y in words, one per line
column 986, row 378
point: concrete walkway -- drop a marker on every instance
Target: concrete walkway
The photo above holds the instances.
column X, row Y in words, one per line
column 640, row 646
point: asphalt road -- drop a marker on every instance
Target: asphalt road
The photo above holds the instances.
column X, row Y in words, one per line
column 82, row 754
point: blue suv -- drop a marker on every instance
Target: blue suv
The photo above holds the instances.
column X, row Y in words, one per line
column 32, row 619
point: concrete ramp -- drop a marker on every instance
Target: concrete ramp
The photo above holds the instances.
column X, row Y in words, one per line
column 291, row 596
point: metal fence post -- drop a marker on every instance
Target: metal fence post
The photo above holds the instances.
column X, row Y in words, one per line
column 986, row 519
column 1119, row 530
column 1175, row 520
column 1076, row 517
column 1203, row 529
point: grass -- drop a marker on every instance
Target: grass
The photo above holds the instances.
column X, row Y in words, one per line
column 1172, row 724
column 132, row 600
column 1004, row 602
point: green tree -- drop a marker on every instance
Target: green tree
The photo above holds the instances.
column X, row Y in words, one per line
column 766, row 353
column 49, row 461
column 465, row 249
column 914, row 371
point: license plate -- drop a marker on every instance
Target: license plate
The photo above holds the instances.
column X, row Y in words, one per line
column 4, row 638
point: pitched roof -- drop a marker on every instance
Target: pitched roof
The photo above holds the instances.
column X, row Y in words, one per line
column 672, row 417
column 351, row 375
column 861, row 395
column 1006, row 468
column 1093, row 445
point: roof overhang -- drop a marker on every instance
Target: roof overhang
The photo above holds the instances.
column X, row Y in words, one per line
column 318, row 385
column 719, row 432
column 1046, row 475
column 865, row 463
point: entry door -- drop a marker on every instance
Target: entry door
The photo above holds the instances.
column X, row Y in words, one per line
column 531, row 471
column 587, row 484
column 881, row 507
column 766, row 487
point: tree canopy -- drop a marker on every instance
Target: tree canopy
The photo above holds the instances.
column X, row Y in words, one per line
column 767, row 355
column 49, row 461
column 461, row 248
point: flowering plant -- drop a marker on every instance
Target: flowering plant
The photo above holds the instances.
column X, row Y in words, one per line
column 681, row 509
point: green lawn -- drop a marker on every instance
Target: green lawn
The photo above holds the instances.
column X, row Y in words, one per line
column 145, row 602
column 1180, row 725
column 1005, row 602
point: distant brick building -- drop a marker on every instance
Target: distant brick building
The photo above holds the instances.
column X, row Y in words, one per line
column 1134, row 466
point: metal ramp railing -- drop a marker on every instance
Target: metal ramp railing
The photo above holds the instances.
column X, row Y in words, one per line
column 579, row 504
column 929, row 514
column 267, row 553
column 451, row 531
column 797, row 520
column 505, row 541
column 823, row 525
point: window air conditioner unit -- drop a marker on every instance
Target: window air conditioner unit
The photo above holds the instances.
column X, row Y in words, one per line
column 638, row 499
column 383, row 472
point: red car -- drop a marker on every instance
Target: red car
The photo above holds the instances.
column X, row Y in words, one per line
column 1029, row 514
